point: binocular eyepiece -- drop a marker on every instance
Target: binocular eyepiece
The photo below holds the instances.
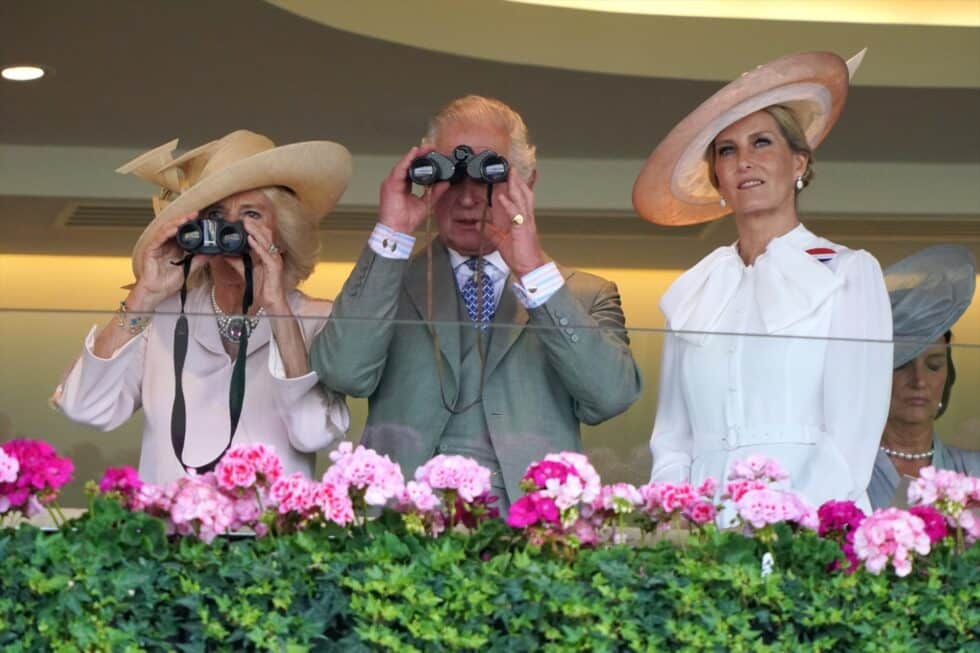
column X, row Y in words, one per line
column 210, row 236
column 487, row 167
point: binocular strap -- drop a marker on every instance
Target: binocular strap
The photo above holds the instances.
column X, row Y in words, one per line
column 236, row 393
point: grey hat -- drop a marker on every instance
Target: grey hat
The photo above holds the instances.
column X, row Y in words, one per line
column 929, row 291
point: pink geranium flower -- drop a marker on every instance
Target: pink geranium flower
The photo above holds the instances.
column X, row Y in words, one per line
column 365, row 471
column 459, row 474
column 248, row 465
column 890, row 535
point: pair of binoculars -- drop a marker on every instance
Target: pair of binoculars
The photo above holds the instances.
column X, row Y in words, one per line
column 487, row 167
column 209, row 236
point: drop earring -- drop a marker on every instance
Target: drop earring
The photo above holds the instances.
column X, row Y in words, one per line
column 799, row 184
column 722, row 202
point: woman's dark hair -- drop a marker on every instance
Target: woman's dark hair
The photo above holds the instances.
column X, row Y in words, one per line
column 950, row 376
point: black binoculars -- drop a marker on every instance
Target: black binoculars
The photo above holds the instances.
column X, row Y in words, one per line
column 208, row 236
column 487, row 166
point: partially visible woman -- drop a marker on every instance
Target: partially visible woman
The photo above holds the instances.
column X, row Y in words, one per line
column 278, row 195
column 778, row 344
column 930, row 290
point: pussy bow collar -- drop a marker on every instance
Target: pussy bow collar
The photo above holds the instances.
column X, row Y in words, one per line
column 790, row 284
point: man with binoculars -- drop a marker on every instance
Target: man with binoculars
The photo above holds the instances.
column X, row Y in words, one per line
column 479, row 345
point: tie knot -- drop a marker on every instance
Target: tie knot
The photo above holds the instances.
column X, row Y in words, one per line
column 475, row 262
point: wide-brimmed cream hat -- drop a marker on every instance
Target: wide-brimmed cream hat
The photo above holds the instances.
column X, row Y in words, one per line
column 674, row 187
column 316, row 172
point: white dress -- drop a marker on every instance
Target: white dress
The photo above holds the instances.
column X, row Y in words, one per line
column 814, row 394
column 294, row 415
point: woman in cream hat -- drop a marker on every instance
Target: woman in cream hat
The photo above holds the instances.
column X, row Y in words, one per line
column 930, row 290
column 175, row 347
column 812, row 390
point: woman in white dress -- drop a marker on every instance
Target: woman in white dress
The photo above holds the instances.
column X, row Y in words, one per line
column 777, row 344
column 274, row 198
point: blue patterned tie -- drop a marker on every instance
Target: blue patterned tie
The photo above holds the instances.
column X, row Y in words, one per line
column 478, row 300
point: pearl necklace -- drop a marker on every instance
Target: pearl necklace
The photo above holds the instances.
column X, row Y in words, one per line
column 908, row 456
column 231, row 327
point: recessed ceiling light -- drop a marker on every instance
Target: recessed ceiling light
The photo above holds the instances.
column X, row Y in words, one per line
column 22, row 73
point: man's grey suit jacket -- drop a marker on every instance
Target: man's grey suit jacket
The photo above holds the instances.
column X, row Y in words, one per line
column 547, row 369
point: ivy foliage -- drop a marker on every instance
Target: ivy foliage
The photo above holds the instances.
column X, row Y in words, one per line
column 113, row 581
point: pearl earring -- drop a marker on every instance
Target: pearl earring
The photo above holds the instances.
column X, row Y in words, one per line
column 799, row 184
column 722, row 202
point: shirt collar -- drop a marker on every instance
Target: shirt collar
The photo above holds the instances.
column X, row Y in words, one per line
column 493, row 258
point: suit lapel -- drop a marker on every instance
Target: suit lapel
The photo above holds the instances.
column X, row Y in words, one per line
column 445, row 304
column 508, row 324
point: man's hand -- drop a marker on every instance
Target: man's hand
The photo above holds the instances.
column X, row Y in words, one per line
column 512, row 229
column 398, row 208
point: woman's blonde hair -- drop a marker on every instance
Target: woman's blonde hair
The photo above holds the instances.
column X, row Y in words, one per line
column 789, row 127
column 479, row 110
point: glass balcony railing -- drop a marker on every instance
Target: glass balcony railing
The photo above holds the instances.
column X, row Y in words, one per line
column 723, row 376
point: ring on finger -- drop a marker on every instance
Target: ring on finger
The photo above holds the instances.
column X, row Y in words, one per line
column 517, row 220
column 273, row 249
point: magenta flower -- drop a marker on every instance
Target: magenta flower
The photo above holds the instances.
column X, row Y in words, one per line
column 540, row 472
column 123, row 481
column 935, row 523
column 533, row 508
column 41, row 473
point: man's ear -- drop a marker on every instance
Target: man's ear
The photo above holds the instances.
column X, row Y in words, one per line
column 533, row 178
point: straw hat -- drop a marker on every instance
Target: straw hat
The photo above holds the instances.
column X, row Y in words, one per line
column 929, row 291
column 316, row 172
column 674, row 187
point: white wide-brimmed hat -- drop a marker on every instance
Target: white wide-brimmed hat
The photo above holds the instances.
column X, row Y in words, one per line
column 315, row 172
column 674, row 187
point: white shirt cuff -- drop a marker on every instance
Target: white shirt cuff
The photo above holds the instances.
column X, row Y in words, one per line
column 388, row 243
column 538, row 285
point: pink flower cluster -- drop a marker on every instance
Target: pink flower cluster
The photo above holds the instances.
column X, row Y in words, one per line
column 759, row 508
column 447, row 490
column 757, row 503
column 464, row 476
column 955, row 495
column 558, row 487
column 248, row 465
column 193, row 505
column 31, row 473
column 299, row 500
column 663, row 502
column 610, row 508
column 229, row 499
column 757, row 468
column 890, row 535
column 366, row 472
